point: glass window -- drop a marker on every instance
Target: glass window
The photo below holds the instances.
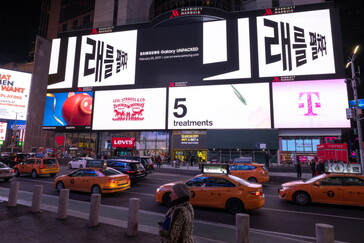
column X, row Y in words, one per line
column 284, row 145
column 353, row 181
column 307, row 145
column 332, row 181
column 291, row 145
column 219, row 182
column 315, row 142
column 197, row 182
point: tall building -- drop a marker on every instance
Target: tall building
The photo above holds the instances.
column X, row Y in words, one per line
column 190, row 79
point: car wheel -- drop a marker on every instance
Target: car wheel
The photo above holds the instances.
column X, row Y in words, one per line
column 167, row 199
column 96, row 190
column 69, row 166
column 301, row 198
column 81, row 166
column 34, row 173
column 253, row 180
column 6, row 179
column 234, row 205
column 53, row 174
column 60, row 186
column 17, row 173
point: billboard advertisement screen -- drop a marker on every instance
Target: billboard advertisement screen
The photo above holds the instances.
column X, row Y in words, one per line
column 310, row 104
column 71, row 110
column 14, row 94
column 130, row 109
column 219, row 106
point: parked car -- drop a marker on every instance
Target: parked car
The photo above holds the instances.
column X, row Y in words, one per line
column 133, row 168
column 147, row 162
column 79, row 162
column 345, row 189
column 93, row 180
column 6, row 173
column 38, row 166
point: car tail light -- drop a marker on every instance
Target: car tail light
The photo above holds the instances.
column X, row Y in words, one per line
column 12, row 171
column 256, row 193
column 130, row 172
column 112, row 181
column 41, row 166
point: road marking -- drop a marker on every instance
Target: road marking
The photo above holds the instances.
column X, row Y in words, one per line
column 308, row 213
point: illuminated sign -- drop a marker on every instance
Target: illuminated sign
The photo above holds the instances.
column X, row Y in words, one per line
column 310, row 104
column 130, row 109
column 14, row 94
column 215, row 168
column 219, row 106
column 3, row 126
column 123, row 142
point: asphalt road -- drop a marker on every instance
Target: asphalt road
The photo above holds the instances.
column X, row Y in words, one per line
column 276, row 215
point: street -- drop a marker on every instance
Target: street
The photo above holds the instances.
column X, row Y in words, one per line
column 276, row 215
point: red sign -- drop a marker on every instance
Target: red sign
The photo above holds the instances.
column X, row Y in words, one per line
column 123, row 142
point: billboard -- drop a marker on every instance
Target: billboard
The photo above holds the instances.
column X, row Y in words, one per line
column 310, row 104
column 236, row 106
column 3, row 126
column 131, row 109
column 71, row 110
column 14, row 94
column 295, row 44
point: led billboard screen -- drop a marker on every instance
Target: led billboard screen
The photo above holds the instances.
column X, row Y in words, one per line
column 72, row 110
column 219, row 106
column 14, row 94
column 310, row 104
column 130, row 109
column 295, row 44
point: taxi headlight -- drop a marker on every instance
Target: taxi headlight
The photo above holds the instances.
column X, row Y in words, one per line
column 284, row 188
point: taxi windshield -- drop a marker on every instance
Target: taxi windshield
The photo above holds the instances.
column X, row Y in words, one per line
column 239, row 180
column 315, row 178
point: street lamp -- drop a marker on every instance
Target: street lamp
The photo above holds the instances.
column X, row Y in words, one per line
column 354, row 84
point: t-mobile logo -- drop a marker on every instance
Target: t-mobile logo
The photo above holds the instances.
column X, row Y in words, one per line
column 309, row 102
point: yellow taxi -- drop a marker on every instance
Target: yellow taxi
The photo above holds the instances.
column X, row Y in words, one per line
column 345, row 189
column 216, row 188
column 252, row 172
column 37, row 166
column 93, row 180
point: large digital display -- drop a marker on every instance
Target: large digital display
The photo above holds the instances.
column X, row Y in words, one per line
column 14, row 94
column 72, row 110
column 219, row 106
column 130, row 109
column 310, row 104
column 295, row 44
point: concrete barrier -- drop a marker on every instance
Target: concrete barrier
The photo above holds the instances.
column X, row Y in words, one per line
column 133, row 220
column 94, row 210
column 324, row 233
column 37, row 198
column 63, row 204
column 242, row 228
column 13, row 194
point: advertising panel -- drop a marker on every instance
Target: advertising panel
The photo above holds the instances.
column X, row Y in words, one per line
column 14, row 94
column 219, row 106
column 310, row 104
column 3, row 126
column 71, row 110
column 123, row 142
column 189, row 141
column 295, row 44
column 130, row 109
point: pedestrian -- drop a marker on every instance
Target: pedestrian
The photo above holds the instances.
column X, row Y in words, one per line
column 313, row 168
column 298, row 169
column 159, row 161
column 178, row 225
column 266, row 159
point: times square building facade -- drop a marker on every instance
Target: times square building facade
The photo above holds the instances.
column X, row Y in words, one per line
column 198, row 83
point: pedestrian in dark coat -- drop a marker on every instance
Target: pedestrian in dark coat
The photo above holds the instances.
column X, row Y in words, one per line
column 178, row 226
column 298, row 169
column 313, row 168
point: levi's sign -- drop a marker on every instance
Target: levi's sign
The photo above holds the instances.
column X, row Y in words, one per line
column 123, row 142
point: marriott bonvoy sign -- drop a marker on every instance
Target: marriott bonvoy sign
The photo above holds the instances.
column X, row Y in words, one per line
column 123, row 142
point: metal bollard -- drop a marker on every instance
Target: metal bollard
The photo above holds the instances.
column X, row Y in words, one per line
column 13, row 194
column 94, row 210
column 242, row 228
column 63, row 204
column 324, row 233
column 37, row 198
column 133, row 219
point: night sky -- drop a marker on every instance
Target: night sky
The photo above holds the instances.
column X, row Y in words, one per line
column 19, row 21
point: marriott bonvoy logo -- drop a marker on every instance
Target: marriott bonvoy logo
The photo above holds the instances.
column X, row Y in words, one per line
column 128, row 109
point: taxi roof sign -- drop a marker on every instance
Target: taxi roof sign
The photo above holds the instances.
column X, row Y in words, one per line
column 215, row 168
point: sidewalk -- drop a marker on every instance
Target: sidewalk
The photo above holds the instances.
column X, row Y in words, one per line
column 21, row 225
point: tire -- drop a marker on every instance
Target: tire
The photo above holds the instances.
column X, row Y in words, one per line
column 69, row 166
column 96, row 190
column 253, row 180
column 17, row 173
column 6, row 179
column 52, row 175
column 34, row 174
column 166, row 200
column 301, row 198
column 81, row 166
column 59, row 186
column 234, row 205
